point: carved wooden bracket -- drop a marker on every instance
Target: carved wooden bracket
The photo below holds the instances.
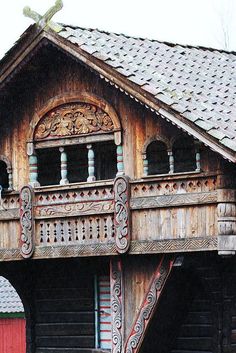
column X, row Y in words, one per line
column 149, row 304
column 116, row 305
column 122, row 219
column 27, row 225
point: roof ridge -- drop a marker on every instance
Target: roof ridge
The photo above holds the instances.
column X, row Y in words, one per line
column 170, row 44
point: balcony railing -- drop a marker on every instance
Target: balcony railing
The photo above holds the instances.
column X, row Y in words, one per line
column 169, row 213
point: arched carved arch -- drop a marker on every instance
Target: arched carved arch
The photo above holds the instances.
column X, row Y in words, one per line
column 155, row 138
column 6, row 173
column 76, row 97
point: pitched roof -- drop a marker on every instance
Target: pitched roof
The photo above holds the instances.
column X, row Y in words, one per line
column 192, row 87
column 10, row 301
column 198, row 83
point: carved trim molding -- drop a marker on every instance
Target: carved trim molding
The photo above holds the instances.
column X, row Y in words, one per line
column 122, row 217
column 173, row 200
column 73, row 119
column 136, row 247
column 116, row 305
column 173, row 245
column 27, row 225
column 149, row 304
column 74, row 209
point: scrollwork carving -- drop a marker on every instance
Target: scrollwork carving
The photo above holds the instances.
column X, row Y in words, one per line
column 137, row 332
column 27, row 221
column 73, row 119
column 116, row 306
column 122, row 213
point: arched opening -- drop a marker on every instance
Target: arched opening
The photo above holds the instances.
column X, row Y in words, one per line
column 157, row 157
column 12, row 320
column 4, row 177
column 184, row 154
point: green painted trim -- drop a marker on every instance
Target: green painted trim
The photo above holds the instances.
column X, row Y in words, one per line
column 11, row 315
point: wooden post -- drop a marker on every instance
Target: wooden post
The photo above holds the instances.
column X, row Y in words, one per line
column 64, row 179
column 120, row 161
column 33, row 171
column 91, row 169
column 171, row 162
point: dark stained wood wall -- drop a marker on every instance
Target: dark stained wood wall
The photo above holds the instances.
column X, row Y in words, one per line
column 64, row 302
column 197, row 311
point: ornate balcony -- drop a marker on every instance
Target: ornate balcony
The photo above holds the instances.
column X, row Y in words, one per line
column 160, row 214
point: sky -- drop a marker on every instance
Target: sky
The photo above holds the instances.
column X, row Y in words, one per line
column 209, row 23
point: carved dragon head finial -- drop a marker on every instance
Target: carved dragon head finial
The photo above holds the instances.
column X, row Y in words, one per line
column 45, row 20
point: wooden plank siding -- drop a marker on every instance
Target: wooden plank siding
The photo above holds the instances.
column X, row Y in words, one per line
column 64, row 317
column 12, row 335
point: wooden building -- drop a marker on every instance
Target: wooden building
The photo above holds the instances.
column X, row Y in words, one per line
column 12, row 320
column 117, row 167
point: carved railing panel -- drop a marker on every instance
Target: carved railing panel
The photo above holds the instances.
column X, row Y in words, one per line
column 79, row 230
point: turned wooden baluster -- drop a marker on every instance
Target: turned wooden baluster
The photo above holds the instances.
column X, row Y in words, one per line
column 91, row 169
column 33, row 170
column 171, row 162
column 64, row 179
column 120, row 160
column 145, row 165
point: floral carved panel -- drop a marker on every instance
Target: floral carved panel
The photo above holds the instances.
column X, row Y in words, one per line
column 73, row 119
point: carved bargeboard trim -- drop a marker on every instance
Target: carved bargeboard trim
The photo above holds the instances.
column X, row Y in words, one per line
column 73, row 119
column 149, row 304
column 27, row 225
column 116, row 305
column 122, row 219
column 74, row 209
column 173, row 245
column 173, row 200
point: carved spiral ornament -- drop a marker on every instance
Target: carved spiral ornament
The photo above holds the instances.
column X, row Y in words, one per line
column 147, row 309
column 27, row 221
column 116, row 307
column 122, row 213
column 73, row 119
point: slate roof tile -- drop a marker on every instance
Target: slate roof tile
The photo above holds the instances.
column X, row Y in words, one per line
column 9, row 299
column 199, row 83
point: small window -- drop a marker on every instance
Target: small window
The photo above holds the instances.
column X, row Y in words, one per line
column 157, row 156
column 49, row 166
column 105, row 160
column 184, row 155
column 4, row 177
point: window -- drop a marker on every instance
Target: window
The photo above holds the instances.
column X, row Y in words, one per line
column 75, row 142
column 161, row 157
